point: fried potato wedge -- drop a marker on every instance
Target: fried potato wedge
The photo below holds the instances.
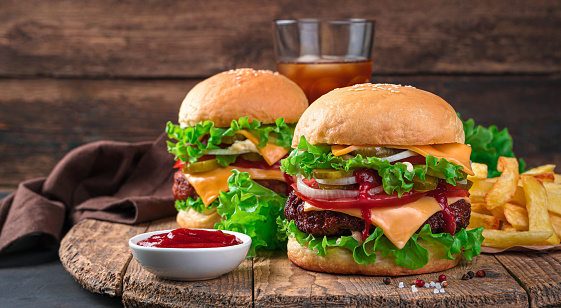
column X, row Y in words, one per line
column 540, row 169
column 516, row 216
column 506, row 239
column 536, row 204
column 481, row 220
column 505, row 187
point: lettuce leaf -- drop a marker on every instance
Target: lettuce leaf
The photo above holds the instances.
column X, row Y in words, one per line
column 412, row 255
column 488, row 144
column 395, row 177
column 195, row 204
column 254, row 210
column 189, row 146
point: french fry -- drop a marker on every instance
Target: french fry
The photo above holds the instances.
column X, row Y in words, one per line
column 499, row 212
column 554, row 203
column 480, row 171
column 481, row 220
column 479, row 190
column 505, row 239
column 536, row 204
column 540, row 169
column 556, row 223
column 505, row 187
column 517, row 216
column 557, row 178
column 552, row 187
column 480, row 208
column 508, row 227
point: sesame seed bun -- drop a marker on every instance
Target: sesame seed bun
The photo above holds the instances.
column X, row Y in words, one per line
column 258, row 94
column 379, row 114
column 340, row 261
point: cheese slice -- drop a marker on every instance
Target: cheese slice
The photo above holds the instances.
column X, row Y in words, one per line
column 399, row 223
column 272, row 153
column 209, row 184
column 457, row 153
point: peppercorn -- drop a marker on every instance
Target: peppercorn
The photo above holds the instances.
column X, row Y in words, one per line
column 444, row 284
column 387, row 280
column 442, row 278
column 471, row 274
column 480, row 273
column 465, row 277
column 420, row 283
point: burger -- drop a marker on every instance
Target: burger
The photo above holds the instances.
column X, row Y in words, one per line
column 380, row 184
column 238, row 122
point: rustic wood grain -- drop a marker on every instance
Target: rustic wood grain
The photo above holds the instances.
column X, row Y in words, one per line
column 279, row 283
column 112, row 38
column 42, row 119
column 539, row 274
column 143, row 289
column 96, row 254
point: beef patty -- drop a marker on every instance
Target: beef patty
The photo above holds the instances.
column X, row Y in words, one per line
column 182, row 189
column 330, row 223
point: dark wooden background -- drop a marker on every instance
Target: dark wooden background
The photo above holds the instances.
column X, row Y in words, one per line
column 77, row 71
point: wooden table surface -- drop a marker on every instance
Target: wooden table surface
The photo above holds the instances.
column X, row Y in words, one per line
column 97, row 255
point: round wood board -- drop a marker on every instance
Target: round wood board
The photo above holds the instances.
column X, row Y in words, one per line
column 97, row 255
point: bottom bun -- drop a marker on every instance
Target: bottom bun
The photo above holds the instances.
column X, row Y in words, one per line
column 340, row 261
column 192, row 219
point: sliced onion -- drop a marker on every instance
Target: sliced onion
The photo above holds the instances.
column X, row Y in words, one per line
column 376, row 190
column 399, row 156
column 323, row 193
column 463, row 182
column 341, row 181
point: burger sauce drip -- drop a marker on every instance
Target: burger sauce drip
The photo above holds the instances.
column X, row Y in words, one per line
column 439, row 194
column 367, row 180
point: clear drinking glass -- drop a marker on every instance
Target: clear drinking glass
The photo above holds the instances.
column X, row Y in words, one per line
column 323, row 54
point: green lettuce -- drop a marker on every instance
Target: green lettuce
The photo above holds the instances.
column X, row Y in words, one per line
column 254, row 210
column 195, row 204
column 189, row 146
column 412, row 255
column 488, row 144
column 395, row 177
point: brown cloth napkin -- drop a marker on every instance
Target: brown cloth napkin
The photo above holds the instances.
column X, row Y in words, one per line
column 114, row 181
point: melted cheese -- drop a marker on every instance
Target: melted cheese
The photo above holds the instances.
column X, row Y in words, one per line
column 399, row 223
column 272, row 153
column 457, row 153
column 209, row 184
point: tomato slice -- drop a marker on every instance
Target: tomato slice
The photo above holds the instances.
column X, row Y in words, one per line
column 378, row 200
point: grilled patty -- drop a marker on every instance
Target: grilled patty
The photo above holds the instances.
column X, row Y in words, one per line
column 330, row 223
column 182, row 189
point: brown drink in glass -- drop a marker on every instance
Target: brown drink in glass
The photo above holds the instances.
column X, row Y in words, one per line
column 318, row 78
column 324, row 54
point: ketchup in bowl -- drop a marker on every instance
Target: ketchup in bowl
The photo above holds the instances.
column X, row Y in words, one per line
column 191, row 238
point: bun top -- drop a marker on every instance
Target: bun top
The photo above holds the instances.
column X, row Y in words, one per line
column 261, row 95
column 379, row 114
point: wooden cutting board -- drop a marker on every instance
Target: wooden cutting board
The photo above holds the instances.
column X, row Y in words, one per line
column 97, row 255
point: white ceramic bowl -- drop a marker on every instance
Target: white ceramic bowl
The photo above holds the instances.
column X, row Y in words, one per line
column 189, row 263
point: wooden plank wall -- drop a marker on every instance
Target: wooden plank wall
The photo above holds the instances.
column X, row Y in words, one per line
column 72, row 72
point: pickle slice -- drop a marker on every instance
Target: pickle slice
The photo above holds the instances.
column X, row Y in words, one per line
column 331, row 174
column 377, row 151
column 430, row 183
column 232, row 139
column 252, row 156
column 465, row 186
column 201, row 166
column 341, row 187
